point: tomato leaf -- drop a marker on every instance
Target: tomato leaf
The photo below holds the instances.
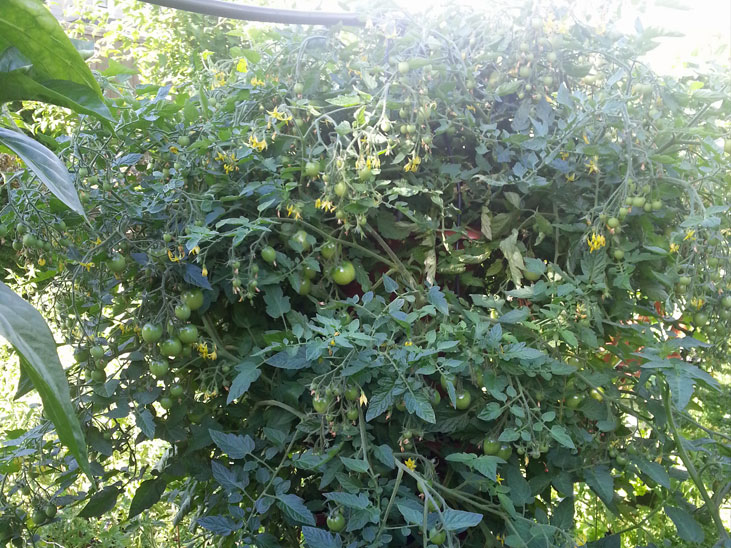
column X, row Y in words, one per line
column 688, row 528
column 100, row 503
column 26, row 330
column 294, row 508
column 49, row 169
column 147, row 494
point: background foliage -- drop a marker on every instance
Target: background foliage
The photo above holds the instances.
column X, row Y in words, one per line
column 531, row 217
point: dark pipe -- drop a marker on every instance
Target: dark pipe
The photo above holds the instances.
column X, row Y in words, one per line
column 218, row 8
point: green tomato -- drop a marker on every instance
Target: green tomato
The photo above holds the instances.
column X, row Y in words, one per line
column 505, row 451
column 38, row 517
column 171, row 347
column 188, row 334
column 574, row 401
column 192, row 298
column 328, row 250
column 618, row 254
column 298, row 88
column 182, row 312
column 268, row 255
column 340, row 189
column 437, row 536
column 299, row 238
column 320, row 403
column 97, row 352
column 621, row 460
column 151, row 333
column 352, row 413
column 312, row 169
column 684, row 280
column 343, row 273
column 365, row 173
column 166, row 403
column 336, row 522
column 3, row 231
column 463, row 400
column 176, row 391
column 597, row 393
column 158, row 368
column 305, row 286
column 50, row 510
column 700, row 319
column 183, row 140
column 726, row 301
column 612, row 222
column 531, row 276
column 491, row 446
column 98, row 375
column 83, row 172
column 352, row 393
column 308, row 272
column 403, row 67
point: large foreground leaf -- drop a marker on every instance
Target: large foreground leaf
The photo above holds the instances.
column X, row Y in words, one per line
column 29, row 26
column 24, row 328
column 45, row 165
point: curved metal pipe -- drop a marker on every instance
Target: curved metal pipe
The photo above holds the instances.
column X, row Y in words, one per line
column 218, row 8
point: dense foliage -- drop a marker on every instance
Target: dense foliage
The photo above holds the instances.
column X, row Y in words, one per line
column 423, row 283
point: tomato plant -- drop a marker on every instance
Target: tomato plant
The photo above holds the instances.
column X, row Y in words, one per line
column 381, row 274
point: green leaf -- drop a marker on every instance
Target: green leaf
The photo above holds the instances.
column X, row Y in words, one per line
column 411, row 515
column 277, row 304
column 45, row 165
column 26, row 330
column 600, row 479
column 351, row 501
column 147, row 494
column 455, row 520
column 379, row 403
column 491, row 411
column 236, row 447
column 115, row 68
column 287, row 360
column 520, row 492
column 18, row 86
column 688, row 528
column 219, row 525
column 487, row 465
column 653, row 470
column 100, row 503
column 29, row 26
column 317, row 538
column 436, row 297
column 560, row 434
column 418, row 403
column 356, row 465
column 249, row 372
column 294, row 508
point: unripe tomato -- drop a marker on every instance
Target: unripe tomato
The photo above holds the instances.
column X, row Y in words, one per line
column 364, row 174
column 464, row 399
column 158, row 368
column 618, row 254
column 597, row 393
column 166, row 403
column 320, row 403
column 268, row 255
column 336, row 522
column 505, row 451
column 298, row 88
column 98, row 375
column 700, row 319
column 491, row 446
column 97, row 352
column 343, row 273
column 437, row 536
column 612, row 222
column 403, row 67
column 352, row 393
column 299, row 239
column 38, row 517
column 312, row 169
column 171, row 347
column 50, row 510
column 182, row 312
column 176, row 391
column 684, row 280
column 352, row 413
column 193, row 298
column 574, row 401
column 531, row 276
column 188, row 334
column 183, row 140
column 308, row 272
column 621, row 460
column 726, row 301
column 151, row 333
column 328, row 250
column 304, row 288
column 340, row 189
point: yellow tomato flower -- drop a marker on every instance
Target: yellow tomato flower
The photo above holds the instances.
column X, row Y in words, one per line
column 597, row 241
column 410, row 464
column 689, row 235
column 593, row 165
